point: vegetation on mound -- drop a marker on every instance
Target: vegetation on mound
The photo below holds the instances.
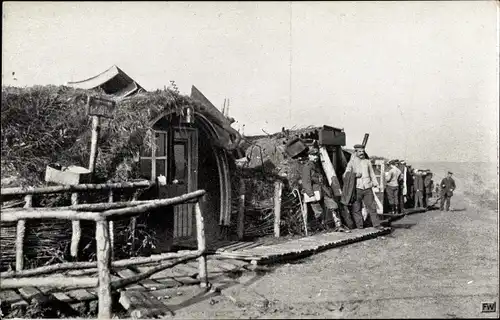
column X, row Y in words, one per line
column 49, row 124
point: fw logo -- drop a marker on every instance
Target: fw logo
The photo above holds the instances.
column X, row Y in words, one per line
column 488, row 307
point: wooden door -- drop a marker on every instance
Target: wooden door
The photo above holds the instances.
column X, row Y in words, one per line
column 183, row 178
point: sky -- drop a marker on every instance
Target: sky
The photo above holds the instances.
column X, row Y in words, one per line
column 420, row 77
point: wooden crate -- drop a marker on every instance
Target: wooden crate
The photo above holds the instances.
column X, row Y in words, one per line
column 71, row 175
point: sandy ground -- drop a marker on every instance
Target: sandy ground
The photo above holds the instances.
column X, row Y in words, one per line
column 434, row 264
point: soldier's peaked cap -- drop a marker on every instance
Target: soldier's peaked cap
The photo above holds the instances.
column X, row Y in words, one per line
column 358, row 146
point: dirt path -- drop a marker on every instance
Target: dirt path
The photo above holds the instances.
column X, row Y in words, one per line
column 434, row 264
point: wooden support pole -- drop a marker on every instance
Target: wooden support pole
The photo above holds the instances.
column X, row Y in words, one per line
column 76, row 229
column 304, row 217
column 95, row 138
column 382, row 176
column 21, row 229
column 365, row 139
column 133, row 225
column 241, row 210
column 111, row 228
column 202, row 246
column 278, row 186
column 380, row 208
column 103, row 267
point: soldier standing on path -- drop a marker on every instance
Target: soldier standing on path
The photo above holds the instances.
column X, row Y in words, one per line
column 402, row 186
column 447, row 188
column 365, row 181
column 419, row 189
column 410, row 192
column 429, row 186
column 393, row 178
column 316, row 188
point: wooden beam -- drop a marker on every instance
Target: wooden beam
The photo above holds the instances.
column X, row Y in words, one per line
column 95, row 207
column 126, row 212
column 74, row 188
column 329, row 170
column 278, row 187
column 92, row 265
column 380, row 208
column 202, row 246
column 103, row 267
column 51, row 282
column 49, row 214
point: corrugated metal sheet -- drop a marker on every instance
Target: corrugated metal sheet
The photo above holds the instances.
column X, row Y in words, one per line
column 113, row 81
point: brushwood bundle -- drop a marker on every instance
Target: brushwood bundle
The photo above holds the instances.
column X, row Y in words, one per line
column 266, row 163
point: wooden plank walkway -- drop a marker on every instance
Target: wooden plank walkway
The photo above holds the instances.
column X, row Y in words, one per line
column 293, row 249
column 225, row 245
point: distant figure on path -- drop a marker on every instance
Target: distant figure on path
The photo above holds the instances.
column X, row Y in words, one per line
column 410, row 192
column 418, row 183
column 393, row 178
column 365, row 181
column 429, row 187
column 447, row 188
column 401, row 165
column 316, row 187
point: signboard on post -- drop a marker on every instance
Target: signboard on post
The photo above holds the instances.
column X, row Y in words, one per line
column 96, row 108
column 100, row 107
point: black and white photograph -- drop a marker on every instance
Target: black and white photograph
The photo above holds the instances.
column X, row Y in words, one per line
column 250, row 160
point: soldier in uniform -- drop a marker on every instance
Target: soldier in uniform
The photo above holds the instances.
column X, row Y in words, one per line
column 314, row 182
column 429, row 186
column 410, row 192
column 393, row 178
column 365, row 181
column 418, row 183
column 447, row 187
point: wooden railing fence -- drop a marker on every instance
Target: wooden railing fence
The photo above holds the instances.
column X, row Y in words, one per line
column 104, row 215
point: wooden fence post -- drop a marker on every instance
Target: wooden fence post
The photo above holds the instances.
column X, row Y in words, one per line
column 103, row 267
column 93, row 146
column 304, row 217
column 76, row 229
column 278, row 186
column 20, row 232
column 133, row 226
column 111, row 228
column 241, row 211
column 200, row 234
